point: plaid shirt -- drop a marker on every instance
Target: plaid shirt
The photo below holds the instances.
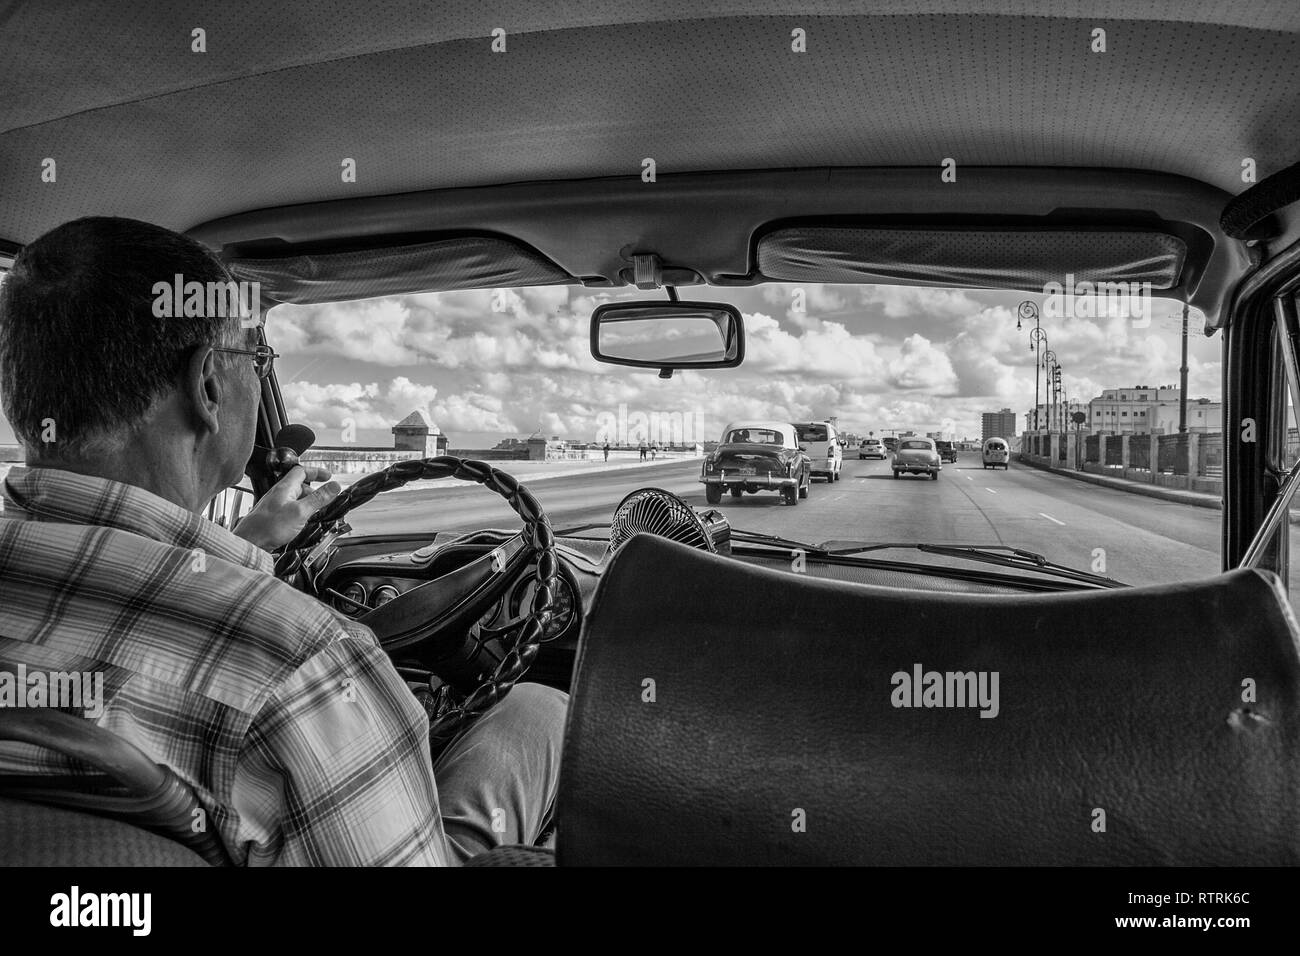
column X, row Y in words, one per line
column 287, row 719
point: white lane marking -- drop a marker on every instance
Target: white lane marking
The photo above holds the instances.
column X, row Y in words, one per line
column 1050, row 518
column 990, row 491
column 969, row 478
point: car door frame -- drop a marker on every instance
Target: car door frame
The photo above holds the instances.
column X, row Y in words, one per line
column 1254, row 392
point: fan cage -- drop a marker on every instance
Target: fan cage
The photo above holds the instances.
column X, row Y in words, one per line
column 658, row 512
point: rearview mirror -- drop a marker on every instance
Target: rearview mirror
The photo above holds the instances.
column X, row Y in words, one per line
column 668, row 335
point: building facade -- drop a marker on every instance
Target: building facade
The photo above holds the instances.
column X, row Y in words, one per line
column 1047, row 416
column 1143, row 409
column 1203, row 416
column 997, row 424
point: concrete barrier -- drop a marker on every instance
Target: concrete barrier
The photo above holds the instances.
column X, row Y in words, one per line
column 354, row 461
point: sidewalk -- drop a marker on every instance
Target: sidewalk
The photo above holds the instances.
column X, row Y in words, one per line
column 1195, row 498
column 1177, row 494
column 530, row 472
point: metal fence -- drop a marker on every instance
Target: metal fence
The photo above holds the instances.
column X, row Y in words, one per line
column 1209, row 456
column 1139, row 452
column 1173, row 454
column 1114, row 451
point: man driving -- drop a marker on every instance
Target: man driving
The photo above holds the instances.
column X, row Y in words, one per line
column 291, row 725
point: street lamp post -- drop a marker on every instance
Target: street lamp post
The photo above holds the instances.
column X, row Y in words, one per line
column 1049, row 362
column 1037, row 342
column 1027, row 310
column 1058, row 387
column 1065, row 405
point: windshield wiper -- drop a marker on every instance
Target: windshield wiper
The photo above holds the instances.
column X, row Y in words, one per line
column 999, row 554
column 573, row 532
column 754, row 537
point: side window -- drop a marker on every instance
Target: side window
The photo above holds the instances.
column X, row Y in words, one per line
column 229, row 506
column 1283, row 452
column 1288, row 452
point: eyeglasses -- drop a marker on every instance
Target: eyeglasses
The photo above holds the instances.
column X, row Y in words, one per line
column 263, row 357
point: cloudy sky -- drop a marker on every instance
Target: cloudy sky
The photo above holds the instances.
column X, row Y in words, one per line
column 878, row 357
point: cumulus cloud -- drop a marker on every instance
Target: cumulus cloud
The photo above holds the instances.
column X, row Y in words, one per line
column 899, row 302
column 515, row 362
column 920, row 365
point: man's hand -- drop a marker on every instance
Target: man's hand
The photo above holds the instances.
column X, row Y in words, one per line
column 286, row 507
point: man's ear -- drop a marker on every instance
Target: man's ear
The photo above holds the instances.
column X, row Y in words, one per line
column 201, row 388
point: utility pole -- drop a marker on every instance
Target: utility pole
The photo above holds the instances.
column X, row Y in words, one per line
column 1182, row 380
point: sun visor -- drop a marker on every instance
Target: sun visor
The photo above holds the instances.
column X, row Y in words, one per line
column 463, row 262
column 1025, row 259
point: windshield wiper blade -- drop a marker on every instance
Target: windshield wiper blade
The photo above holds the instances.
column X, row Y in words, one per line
column 570, row 532
column 755, row 537
column 997, row 550
column 999, row 554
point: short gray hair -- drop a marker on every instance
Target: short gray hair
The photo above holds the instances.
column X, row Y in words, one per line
column 80, row 344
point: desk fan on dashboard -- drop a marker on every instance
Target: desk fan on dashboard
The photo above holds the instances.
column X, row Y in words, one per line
column 659, row 512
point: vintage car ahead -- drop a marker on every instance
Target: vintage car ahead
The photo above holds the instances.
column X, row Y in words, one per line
column 758, row 456
column 995, row 453
column 917, row 456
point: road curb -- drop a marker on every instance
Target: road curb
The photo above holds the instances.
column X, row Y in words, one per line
column 1177, row 495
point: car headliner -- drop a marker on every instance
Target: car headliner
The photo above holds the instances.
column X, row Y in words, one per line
column 241, row 145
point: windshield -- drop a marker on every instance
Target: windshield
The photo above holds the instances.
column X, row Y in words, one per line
column 755, row 436
column 507, row 375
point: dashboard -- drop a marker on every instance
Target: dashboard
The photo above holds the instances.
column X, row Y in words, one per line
column 364, row 573
column 357, row 594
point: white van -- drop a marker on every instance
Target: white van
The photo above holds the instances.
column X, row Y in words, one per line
column 823, row 444
column 996, row 453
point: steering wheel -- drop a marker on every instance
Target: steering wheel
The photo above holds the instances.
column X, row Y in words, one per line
column 432, row 623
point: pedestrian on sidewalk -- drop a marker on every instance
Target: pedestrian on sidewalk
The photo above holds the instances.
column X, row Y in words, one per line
column 654, row 450
column 643, row 449
column 607, row 451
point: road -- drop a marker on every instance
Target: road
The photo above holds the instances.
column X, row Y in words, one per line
column 1141, row 540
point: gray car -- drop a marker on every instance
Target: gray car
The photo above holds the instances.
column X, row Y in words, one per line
column 917, row 456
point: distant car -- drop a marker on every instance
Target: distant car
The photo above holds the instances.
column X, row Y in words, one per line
column 917, row 456
column 996, row 452
column 891, row 444
column 947, row 452
column 872, row 448
column 758, row 456
column 822, row 443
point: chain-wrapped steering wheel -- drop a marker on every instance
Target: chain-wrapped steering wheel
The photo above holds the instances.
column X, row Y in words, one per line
column 433, row 622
